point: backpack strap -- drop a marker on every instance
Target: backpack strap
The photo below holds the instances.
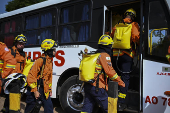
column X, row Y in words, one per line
column 42, row 70
column 13, row 53
column 97, row 81
column 122, row 21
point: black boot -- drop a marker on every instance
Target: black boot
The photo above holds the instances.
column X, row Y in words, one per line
column 121, row 107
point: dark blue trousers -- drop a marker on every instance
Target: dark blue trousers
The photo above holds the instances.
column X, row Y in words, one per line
column 92, row 97
column 124, row 64
column 31, row 101
column 6, row 103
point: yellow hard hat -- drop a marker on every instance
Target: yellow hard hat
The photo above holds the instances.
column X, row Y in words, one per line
column 105, row 40
column 130, row 12
column 48, row 44
column 20, row 38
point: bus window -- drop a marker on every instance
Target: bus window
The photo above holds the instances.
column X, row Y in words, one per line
column 10, row 29
column 40, row 27
column 46, row 33
column 74, row 33
column 159, row 39
column 82, row 12
column 15, row 24
column 47, row 19
column 10, row 26
column 32, row 37
column 8, row 39
column 75, row 23
column 7, row 27
column 66, row 15
column 32, row 22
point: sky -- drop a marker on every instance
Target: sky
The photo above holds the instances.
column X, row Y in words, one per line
column 2, row 5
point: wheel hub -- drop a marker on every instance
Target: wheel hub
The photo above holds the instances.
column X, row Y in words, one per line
column 74, row 98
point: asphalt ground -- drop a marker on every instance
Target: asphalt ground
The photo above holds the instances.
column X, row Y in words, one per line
column 56, row 106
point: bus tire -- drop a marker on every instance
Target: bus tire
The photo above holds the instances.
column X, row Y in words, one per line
column 71, row 101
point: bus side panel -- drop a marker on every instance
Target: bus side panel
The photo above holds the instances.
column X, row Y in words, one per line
column 156, row 80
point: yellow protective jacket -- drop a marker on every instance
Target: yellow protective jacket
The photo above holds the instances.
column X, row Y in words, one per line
column 21, row 60
column 35, row 72
column 135, row 35
column 10, row 61
column 104, row 61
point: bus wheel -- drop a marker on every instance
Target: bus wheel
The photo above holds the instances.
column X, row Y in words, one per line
column 70, row 98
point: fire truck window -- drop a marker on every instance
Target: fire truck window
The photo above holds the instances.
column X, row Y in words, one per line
column 159, row 38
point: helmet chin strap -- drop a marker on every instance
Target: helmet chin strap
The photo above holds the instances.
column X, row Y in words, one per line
column 49, row 53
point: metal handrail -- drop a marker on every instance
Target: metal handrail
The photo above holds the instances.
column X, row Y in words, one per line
column 150, row 42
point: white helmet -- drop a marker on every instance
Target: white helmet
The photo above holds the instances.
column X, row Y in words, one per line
column 12, row 77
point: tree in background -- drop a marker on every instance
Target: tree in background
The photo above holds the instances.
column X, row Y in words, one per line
column 16, row 4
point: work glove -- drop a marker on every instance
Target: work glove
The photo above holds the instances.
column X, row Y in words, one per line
column 120, row 82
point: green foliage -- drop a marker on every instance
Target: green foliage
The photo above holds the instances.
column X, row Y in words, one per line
column 16, row 4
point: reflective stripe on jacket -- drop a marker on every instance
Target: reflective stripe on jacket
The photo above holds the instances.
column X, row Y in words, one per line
column 35, row 73
column 10, row 62
column 104, row 61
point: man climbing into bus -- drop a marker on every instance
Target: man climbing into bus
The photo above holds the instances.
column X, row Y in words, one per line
column 96, row 92
column 40, row 80
column 123, row 54
column 20, row 56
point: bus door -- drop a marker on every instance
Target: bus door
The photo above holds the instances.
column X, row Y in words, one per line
column 113, row 15
column 156, row 68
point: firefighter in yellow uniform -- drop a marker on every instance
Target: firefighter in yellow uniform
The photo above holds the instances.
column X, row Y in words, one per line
column 125, row 59
column 20, row 56
column 103, row 64
column 40, row 89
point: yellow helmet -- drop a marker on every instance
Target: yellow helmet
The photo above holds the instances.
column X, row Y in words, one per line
column 48, row 44
column 20, row 38
column 105, row 40
column 130, row 12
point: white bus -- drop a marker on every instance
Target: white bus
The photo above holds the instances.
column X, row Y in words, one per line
column 78, row 24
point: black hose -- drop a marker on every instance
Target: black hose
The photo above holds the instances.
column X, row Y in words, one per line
column 130, row 70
